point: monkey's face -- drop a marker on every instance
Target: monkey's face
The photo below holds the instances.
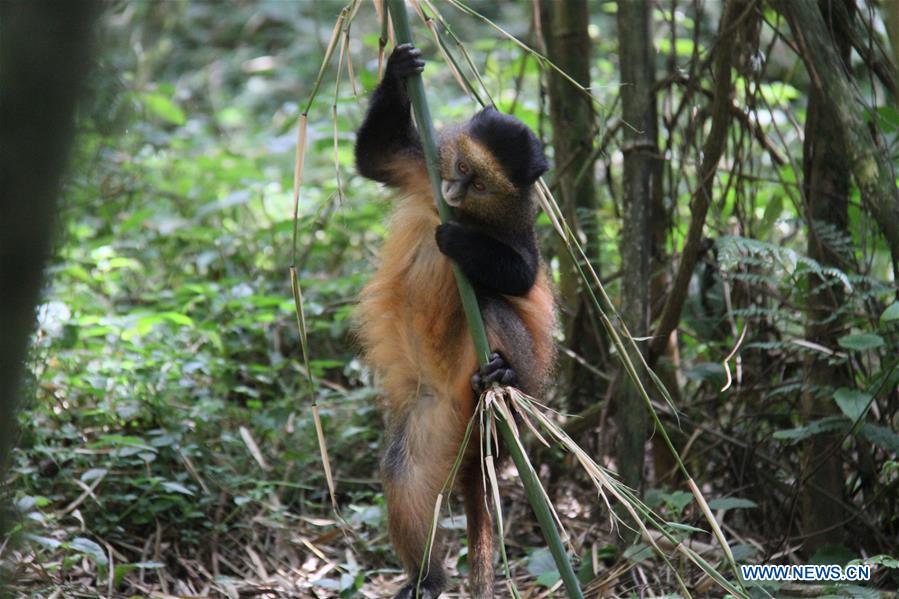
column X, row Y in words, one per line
column 489, row 166
column 472, row 180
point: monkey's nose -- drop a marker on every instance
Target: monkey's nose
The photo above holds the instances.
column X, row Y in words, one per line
column 453, row 192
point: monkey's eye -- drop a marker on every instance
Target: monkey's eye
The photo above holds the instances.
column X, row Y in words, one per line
column 478, row 185
column 463, row 168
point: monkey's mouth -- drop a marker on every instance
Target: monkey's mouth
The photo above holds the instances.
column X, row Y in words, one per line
column 453, row 192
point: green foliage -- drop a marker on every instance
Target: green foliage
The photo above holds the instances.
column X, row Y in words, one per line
column 815, row 427
column 731, row 503
column 168, row 322
column 891, row 313
column 542, row 567
column 861, row 341
column 787, row 262
column 852, row 402
column 671, row 502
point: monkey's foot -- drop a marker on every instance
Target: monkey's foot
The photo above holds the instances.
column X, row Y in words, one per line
column 494, row 371
column 424, row 592
column 405, row 60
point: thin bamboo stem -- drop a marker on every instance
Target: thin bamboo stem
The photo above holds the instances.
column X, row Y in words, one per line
column 416, row 89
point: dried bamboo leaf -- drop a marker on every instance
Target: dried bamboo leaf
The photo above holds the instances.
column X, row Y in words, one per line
column 250, row 442
column 710, row 517
column 336, row 155
column 329, row 50
column 470, row 11
column 323, row 451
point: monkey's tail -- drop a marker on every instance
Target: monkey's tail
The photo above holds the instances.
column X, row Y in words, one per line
column 479, row 514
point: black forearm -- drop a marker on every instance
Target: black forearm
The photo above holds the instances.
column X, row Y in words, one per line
column 387, row 134
column 490, row 264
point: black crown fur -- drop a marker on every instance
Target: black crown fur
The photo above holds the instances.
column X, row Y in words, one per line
column 513, row 143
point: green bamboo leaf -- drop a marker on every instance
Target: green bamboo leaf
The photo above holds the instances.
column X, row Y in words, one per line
column 164, row 108
column 860, row 341
column 637, row 553
column 176, row 488
column 824, row 425
column 178, row 318
column 887, row 561
column 891, row 313
column 88, row 547
column 852, row 402
column 541, row 562
column 881, row 436
column 731, row 503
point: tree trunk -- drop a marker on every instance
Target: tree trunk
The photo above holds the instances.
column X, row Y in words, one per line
column 869, row 162
column 45, row 48
column 826, row 186
column 564, row 28
column 640, row 148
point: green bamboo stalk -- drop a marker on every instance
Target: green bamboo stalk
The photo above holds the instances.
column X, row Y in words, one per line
column 416, row 90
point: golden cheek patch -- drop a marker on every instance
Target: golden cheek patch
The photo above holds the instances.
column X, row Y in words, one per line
column 488, row 169
column 448, row 159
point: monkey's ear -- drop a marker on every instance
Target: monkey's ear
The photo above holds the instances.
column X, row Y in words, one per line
column 538, row 164
column 514, row 145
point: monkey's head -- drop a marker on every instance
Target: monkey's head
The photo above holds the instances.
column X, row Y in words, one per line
column 489, row 166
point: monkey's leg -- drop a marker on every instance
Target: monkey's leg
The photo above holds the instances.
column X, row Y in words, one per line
column 417, row 461
column 410, row 507
column 478, row 506
column 513, row 361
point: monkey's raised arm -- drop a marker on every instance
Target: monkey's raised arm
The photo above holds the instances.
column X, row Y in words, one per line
column 387, row 138
column 489, row 263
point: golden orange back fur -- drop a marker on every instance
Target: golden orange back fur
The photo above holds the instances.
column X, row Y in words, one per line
column 411, row 324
